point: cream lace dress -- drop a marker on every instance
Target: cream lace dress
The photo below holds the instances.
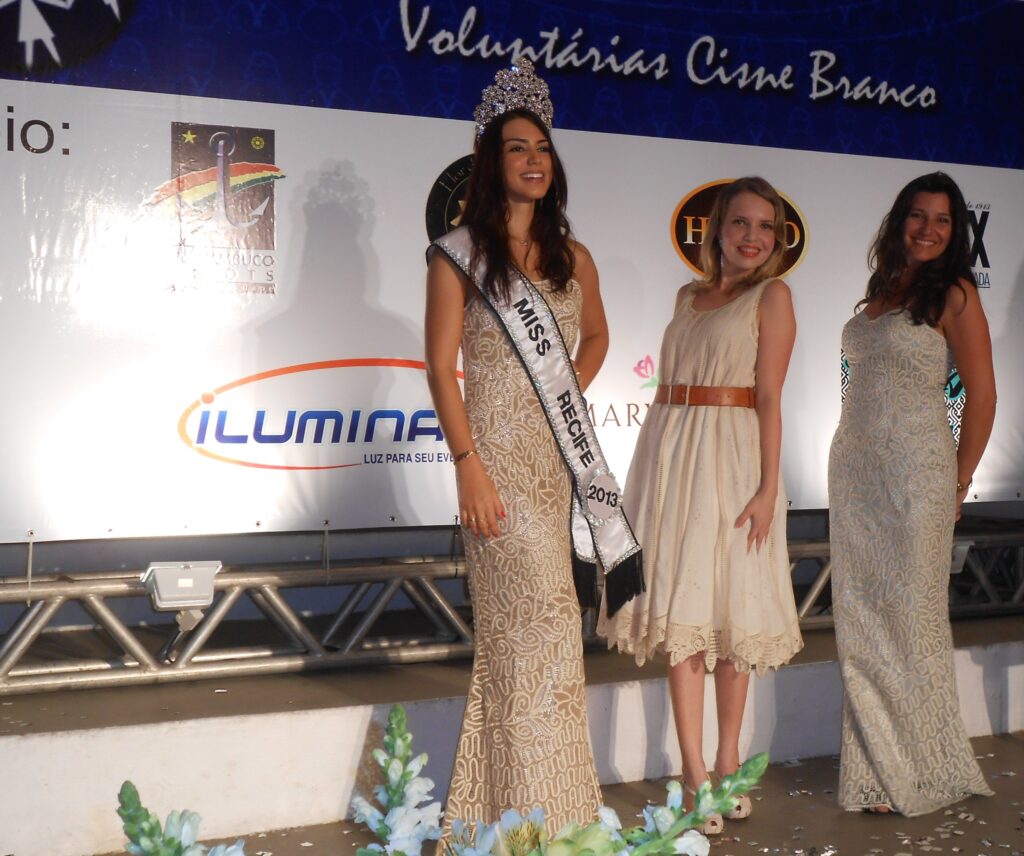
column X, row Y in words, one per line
column 693, row 471
column 892, row 477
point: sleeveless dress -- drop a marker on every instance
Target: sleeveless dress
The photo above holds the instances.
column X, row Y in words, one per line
column 693, row 471
column 892, row 477
column 525, row 741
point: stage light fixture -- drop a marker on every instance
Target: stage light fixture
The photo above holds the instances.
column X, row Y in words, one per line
column 175, row 586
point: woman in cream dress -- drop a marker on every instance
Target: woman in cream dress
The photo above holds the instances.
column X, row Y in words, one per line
column 704, row 492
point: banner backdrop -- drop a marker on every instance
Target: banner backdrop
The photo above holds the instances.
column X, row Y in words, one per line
column 212, row 292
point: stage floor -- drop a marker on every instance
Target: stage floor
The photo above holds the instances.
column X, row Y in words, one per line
column 139, row 705
column 795, row 813
column 795, row 808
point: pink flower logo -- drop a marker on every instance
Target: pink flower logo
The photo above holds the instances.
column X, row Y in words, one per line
column 645, row 369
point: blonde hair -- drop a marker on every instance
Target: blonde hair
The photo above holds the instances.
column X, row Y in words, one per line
column 711, row 251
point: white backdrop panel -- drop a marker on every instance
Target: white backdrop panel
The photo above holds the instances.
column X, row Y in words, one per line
column 108, row 362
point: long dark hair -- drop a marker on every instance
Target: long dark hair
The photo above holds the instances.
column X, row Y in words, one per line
column 925, row 296
column 486, row 214
column 710, row 248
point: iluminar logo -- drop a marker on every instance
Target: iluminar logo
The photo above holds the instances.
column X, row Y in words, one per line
column 317, row 416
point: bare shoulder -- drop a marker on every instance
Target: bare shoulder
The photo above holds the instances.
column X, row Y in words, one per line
column 581, row 252
column 444, row 277
column 442, row 265
column 777, row 289
column 584, row 271
column 961, row 296
column 775, row 309
column 582, row 261
column 683, row 291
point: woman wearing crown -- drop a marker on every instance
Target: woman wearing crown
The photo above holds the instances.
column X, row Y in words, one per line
column 514, row 291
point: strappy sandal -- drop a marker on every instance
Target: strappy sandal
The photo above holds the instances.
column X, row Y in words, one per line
column 881, row 808
column 714, row 823
column 743, row 808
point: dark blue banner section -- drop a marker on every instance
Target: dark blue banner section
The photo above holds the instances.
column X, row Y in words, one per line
column 937, row 81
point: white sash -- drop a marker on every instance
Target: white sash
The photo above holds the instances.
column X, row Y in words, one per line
column 600, row 532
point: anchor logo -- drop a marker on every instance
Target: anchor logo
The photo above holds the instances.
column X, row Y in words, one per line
column 219, row 143
column 221, row 196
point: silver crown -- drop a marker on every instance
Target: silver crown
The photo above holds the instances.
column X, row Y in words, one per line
column 514, row 88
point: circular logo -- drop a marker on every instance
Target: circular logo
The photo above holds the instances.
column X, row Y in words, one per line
column 40, row 39
column 444, row 203
column 603, row 496
column 690, row 219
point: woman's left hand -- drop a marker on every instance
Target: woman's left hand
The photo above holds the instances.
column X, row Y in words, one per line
column 961, row 495
column 759, row 511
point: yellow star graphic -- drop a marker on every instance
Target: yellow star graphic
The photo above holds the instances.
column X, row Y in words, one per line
column 188, row 137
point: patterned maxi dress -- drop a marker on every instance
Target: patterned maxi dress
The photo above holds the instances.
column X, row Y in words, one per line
column 693, row 471
column 892, row 472
column 525, row 741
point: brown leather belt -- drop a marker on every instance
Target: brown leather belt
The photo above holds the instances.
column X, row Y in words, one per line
column 714, row 396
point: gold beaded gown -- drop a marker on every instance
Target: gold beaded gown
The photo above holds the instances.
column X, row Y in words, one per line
column 525, row 740
column 892, row 476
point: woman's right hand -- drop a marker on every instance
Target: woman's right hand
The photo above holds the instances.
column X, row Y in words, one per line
column 480, row 507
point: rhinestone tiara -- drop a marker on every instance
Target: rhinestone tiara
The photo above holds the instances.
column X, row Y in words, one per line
column 514, row 88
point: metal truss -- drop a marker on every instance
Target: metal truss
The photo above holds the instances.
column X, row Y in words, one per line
column 987, row 576
column 165, row 653
column 358, row 632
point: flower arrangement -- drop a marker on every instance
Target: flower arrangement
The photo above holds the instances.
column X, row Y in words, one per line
column 403, row 826
column 402, row 822
column 177, row 837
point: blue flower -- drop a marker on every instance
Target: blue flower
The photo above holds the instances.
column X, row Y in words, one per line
column 465, row 843
column 521, row 835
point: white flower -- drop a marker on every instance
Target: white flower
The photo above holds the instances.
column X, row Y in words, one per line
column 415, row 765
column 663, row 819
column 675, row 795
column 366, row 813
column 691, row 843
column 609, row 819
column 410, row 827
column 380, row 756
column 182, row 826
column 224, row 850
column 417, row 791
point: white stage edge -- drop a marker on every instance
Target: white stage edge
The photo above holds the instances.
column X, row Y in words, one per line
column 247, row 774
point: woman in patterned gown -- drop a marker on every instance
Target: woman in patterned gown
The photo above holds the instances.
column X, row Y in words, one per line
column 525, row 740
column 896, row 485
